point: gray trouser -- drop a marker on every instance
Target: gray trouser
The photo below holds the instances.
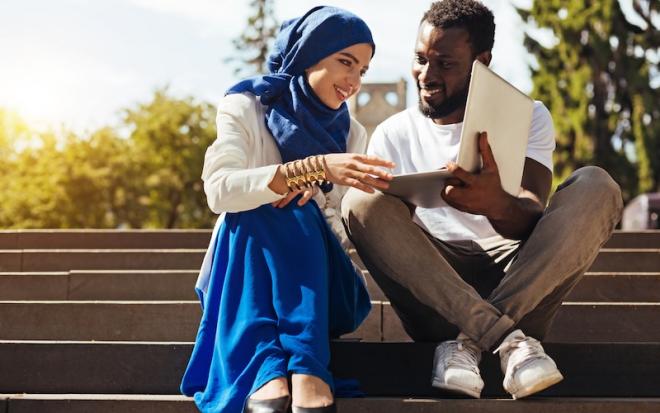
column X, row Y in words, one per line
column 484, row 288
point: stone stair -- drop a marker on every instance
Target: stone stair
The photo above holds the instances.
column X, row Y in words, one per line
column 103, row 321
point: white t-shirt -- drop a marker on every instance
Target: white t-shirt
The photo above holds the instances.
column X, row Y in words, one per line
column 417, row 144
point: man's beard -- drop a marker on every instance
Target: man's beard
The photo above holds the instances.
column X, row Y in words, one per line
column 448, row 106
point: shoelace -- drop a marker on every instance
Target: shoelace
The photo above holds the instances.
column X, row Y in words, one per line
column 526, row 350
column 463, row 356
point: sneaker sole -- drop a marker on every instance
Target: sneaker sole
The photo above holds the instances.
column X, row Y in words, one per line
column 541, row 385
column 475, row 393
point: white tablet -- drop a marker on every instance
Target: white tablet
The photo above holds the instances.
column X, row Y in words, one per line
column 495, row 106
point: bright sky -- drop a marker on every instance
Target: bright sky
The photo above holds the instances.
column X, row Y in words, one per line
column 78, row 62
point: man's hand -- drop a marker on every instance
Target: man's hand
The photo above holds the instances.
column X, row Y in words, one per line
column 480, row 193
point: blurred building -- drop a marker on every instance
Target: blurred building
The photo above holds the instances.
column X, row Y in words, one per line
column 376, row 102
column 642, row 212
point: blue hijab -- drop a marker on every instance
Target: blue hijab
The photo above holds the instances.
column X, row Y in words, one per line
column 301, row 124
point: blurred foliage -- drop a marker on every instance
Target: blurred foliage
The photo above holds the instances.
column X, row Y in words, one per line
column 143, row 173
column 596, row 80
column 105, row 179
column 253, row 45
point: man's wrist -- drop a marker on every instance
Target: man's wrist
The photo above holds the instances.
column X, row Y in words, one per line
column 500, row 207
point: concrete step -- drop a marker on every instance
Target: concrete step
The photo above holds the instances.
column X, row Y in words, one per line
column 606, row 322
column 100, row 320
column 634, row 239
column 627, row 260
column 46, row 285
column 99, row 403
column 179, row 321
column 179, row 285
column 383, row 369
column 99, row 285
column 535, row 404
column 92, row 367
column 617, row 287
column 575, row 323
column 199, row 238
column 104, row 239
column 122, row 321
column 608, row 260
column 101, row 259
column 590, row 370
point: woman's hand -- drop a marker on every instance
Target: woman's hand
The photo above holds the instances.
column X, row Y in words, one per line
column 358, row 170
column 351, row 169
column 307, row 194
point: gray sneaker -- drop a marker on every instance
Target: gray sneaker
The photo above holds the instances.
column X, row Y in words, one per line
column 526, row 367
column 456, row 367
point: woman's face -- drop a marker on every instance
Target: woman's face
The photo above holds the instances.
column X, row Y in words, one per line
column 338, row 76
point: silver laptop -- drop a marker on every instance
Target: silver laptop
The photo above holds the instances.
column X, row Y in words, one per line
column 495, row 106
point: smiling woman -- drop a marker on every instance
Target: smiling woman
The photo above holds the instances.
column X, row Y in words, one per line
column 276, row 283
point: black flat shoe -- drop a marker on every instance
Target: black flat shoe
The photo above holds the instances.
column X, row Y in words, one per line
column 279, row 405
column 326, row 409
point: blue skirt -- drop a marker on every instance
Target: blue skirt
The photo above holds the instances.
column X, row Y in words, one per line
column 281, row 286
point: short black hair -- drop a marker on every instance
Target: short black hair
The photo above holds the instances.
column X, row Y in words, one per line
column 471, row 15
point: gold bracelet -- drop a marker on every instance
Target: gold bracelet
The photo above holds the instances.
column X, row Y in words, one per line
column 320, row 169
column 316, row 171
column 293, row 181
column 310, row 172
column 304, row 173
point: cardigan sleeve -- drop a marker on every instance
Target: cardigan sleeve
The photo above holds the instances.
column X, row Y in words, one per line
column 230, row 183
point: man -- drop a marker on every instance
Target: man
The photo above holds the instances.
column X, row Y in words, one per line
column 487, row 269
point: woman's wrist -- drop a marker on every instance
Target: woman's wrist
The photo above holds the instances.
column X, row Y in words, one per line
column 278, row 183
column 305, row 173
column 299, row 174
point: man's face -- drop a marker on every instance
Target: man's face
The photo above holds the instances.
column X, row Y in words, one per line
column 441, row 68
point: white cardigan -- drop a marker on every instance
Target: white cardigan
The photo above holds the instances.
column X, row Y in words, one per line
column 242, row 161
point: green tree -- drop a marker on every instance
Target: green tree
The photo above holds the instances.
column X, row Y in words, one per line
column 99, row 183
column 12, row 130
column 148, row 179
column 167, row 145
column 30, row 189
column 254, row 43
column 596, row 81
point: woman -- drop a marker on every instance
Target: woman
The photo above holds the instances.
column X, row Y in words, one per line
column 276, row 284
